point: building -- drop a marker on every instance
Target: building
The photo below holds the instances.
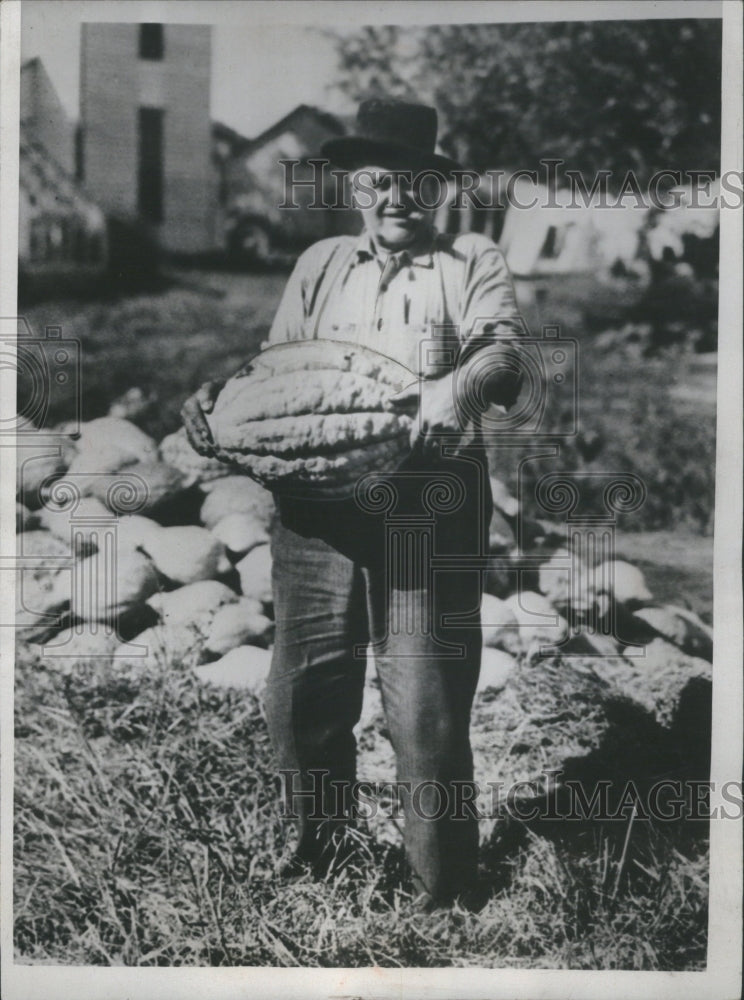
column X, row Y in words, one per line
column 226, row 143
column 558, row 235
column 145, row 146
column 60, row 230
column 42, row 117
column 255, row 187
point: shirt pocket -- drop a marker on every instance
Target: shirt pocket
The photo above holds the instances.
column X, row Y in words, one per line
column 436, row 349
column 334, row 328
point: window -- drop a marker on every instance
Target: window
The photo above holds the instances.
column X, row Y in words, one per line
column 79, row 245
column 150, row 164
column 151, row 41
column 558, row 239
column 37, row 240
column 222, row 190
column 79, row 155
column 550, row 246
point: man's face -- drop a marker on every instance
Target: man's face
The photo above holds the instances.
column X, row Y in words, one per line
column 391, row 206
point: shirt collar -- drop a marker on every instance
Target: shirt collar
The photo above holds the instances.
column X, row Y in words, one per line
column 419, row 256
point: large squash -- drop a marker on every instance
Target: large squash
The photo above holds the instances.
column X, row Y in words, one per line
column 313, row 415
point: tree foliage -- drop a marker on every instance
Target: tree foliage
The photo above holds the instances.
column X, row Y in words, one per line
column 602, row 95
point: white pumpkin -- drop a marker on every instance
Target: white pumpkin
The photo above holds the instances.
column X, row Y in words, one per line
column 42, row 561
column 237, row 495
column 499, row 624
column 187, row 553
column 98, row 590
column 681, row 627
column 624, row 582
column 240, row 533
column 238, row 624
column 85, row 522
column 555, row 578
column 193, row 605
column 571, row 583
column 245, row 668
column 143, row 486
column 537, row 619
column 135, row 531
column 496, row 668
column 255, row 574
column 110, row 444
column 82, row 642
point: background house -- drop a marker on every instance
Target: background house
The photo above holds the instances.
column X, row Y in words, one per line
column 255, row 187
column 42, row 117
column 60, row 230
column 560, row 235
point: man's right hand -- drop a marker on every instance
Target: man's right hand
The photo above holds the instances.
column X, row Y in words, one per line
column 194, row 415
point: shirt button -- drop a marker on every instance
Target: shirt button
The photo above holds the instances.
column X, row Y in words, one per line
column 379, row 324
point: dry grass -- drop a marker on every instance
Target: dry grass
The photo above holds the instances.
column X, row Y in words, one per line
column 147, row 833
column 164, row 343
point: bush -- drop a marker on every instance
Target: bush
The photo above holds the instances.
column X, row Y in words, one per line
column 628, row 423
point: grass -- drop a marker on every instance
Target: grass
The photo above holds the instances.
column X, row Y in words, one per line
column 165, row 343
column 629, row 423
column 147, row 833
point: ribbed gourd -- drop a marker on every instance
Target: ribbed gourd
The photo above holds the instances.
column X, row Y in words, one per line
column 313, row 416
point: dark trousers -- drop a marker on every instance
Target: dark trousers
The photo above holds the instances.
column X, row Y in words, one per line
column 344, row 575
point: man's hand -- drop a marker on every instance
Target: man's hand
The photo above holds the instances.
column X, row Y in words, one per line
column 194, row 415
column 441, row 408
column 437, row 414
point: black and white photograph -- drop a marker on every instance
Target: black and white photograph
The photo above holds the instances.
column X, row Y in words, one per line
column 372, row 411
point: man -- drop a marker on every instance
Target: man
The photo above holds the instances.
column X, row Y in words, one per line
column 438, row 304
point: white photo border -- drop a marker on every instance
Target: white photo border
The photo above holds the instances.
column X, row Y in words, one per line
column 722, row 979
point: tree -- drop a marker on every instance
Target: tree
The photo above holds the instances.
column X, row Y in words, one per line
column 600, row 95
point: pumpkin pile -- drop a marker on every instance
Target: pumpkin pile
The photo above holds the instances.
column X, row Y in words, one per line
column 173, row 549
column 312, row 415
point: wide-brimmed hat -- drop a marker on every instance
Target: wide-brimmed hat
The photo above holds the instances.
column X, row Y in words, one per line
column 392, row 134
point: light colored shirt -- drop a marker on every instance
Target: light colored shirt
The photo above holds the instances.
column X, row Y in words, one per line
column 454, row 291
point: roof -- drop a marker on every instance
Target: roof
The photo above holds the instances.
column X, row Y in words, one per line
column 324, row 118
column 222, row 131
column 42, row 177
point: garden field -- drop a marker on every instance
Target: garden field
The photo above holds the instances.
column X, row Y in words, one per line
column 147, row 823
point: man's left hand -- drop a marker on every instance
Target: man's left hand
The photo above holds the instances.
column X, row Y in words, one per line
column 436, row 416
